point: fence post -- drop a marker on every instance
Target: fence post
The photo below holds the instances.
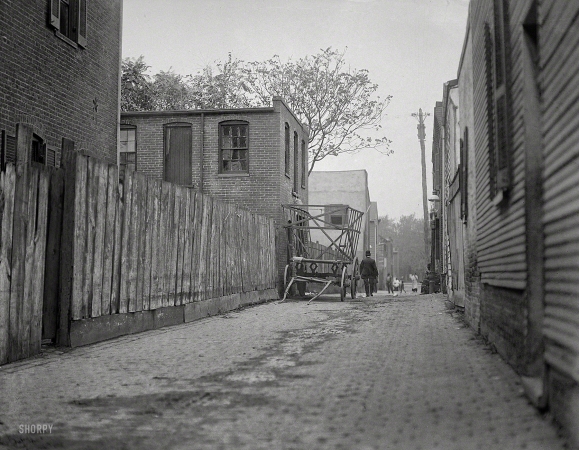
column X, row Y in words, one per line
column 68, row 163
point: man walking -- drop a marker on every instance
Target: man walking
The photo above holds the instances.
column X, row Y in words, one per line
column 368, row 272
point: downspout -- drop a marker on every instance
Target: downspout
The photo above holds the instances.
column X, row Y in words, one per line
column 202, row 151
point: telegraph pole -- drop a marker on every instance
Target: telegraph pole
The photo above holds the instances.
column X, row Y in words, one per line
column 421, row 136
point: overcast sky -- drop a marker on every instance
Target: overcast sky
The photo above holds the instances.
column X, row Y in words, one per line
column 410, row 47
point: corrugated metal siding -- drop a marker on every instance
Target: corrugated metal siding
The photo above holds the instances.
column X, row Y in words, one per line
column 500, row 229
column 560, row 86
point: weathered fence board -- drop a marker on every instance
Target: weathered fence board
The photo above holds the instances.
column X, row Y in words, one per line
column 38, row 261
column 155, row 195
column 7, row 186
column 52, row 260
column 109, row 239
column 141, row 204
column 80, row 238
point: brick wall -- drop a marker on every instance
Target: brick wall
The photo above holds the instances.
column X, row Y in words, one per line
column 265, row 189
column 53, row 85
column 503, row 322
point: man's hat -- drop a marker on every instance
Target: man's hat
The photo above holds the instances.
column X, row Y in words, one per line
column 368, row 253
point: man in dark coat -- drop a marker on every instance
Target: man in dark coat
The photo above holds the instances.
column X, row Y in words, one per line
column 368, row 272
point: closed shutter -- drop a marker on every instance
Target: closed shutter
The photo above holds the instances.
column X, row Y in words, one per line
column 8, row 149
column 81, row 36
column 55, row 13
column 490, row 109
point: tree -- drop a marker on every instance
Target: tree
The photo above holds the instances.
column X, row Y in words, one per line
column 225, row 87
column 407, row 237
column 338, row 104
column 171, row 91
column 136, row 94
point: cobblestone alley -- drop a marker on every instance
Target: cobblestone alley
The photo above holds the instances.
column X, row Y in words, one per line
column 379, row 373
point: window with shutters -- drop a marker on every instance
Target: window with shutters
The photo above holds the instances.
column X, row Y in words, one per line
column 234, row 147
column 304, row 164
column 499, row 124
column 296, row 163
column 287, row 150
column 464, row 176
column 68, row 18
column 128, row 149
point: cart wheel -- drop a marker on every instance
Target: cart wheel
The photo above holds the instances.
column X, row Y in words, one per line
column 343, row 285
column 287, row 276
column 354, row 280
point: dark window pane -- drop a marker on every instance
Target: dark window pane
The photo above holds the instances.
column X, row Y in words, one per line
column 64, row 18
column 336, row 220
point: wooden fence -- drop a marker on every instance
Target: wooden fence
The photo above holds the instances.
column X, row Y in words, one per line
column 147, row 244
column 77, row 244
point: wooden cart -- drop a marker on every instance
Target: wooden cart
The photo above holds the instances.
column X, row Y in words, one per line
column 331, row 262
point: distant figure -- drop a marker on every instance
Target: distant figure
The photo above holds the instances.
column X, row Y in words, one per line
column 402, row 285
column 414, row 279
column 389, row 286
column 396, row 284
column 368, row 272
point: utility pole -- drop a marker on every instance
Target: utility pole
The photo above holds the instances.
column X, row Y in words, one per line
column 421, row 136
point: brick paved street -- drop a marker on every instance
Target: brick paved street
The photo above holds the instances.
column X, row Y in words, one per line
column 380, row 373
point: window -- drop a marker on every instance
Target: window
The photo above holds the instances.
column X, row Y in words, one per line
column 128, row 150
column 336, row 215
column 38, row 153
column 68, row 18
column 296, row 163
column 464, row 176
column 287, row 149
column 498, row 101
column 304, row 164
column 234, row 147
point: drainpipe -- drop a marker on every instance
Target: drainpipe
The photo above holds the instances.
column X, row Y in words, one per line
column 202, row 151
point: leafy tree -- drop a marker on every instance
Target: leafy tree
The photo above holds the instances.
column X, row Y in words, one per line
column 224, row 87
column 337, row 103
column 171, row 91
column 136, row 94
column 407, row 236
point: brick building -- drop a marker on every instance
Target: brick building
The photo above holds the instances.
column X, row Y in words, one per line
column 59, row 73
column 518, row 131
column 256, row 158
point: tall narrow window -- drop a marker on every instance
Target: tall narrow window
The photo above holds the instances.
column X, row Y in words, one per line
column 296, row 163
column 128, row 150
column 304, row 164
column 287, row 149
column 502, row 123
column 234, row 147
